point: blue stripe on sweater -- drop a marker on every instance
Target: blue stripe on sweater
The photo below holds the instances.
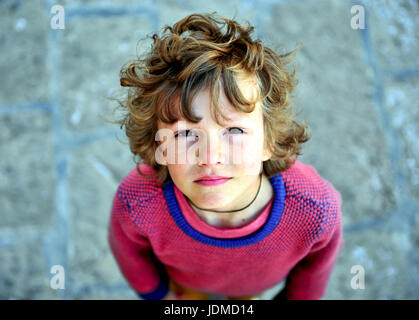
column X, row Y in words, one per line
column 158, row 294
column 262, row 233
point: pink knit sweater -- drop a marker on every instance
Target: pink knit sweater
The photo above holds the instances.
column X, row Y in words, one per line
column 155, row 234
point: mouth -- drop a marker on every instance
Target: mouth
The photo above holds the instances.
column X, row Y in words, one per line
column 212, row 181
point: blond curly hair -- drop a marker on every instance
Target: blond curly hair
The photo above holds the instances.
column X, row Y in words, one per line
column 200, row 51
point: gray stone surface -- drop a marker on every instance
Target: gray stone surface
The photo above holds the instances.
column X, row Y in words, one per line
column 398, row 96
column 86, row 92
column 335, row 100
column 24, row 270
column 394, row 35
column 384, row 255
column 27, row 183
column 61, row 162
column 92, row 182
column 23, row 39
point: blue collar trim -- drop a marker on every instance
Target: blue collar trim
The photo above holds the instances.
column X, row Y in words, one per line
column 273, row 219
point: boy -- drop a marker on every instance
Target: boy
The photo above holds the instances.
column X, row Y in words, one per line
column 219, row 204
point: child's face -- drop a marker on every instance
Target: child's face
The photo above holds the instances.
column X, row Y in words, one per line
column 235, row 150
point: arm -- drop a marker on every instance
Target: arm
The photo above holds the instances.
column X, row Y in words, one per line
column 134, row 255
column 308, row 279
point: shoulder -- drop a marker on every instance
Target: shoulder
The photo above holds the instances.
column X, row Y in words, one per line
column 136, row 185
column 140, row 193
column 304, row 180
column 315, row 199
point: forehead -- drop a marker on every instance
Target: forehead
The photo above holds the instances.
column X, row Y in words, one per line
column 201, row 105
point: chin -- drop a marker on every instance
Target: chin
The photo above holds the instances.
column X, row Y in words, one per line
column 212, row 201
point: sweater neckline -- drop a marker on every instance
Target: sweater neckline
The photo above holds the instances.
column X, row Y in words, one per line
column 273, row 218
column 224, row 233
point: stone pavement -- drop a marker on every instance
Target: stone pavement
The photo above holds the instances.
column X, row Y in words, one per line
column 61, row 162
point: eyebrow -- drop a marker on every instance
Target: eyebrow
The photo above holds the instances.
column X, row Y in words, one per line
column 239, row 122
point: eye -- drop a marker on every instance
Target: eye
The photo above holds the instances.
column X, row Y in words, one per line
column 185, row 134
column 236, row 130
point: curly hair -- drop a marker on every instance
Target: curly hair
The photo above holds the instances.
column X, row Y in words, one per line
column 200, row 51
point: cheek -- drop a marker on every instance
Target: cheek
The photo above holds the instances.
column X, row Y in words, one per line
column 185, row 150
column 246, row 155
column 177, row 171
column 248, row 148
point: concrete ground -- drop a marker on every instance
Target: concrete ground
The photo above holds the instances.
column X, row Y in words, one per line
column 61, row 163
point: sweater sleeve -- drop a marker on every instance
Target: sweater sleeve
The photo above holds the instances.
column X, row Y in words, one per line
column 308, row 279
column 134, row 255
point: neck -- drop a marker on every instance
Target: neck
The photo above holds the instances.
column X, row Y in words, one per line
column 239, row 218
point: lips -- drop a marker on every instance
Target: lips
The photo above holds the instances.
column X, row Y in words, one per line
column 212, row 180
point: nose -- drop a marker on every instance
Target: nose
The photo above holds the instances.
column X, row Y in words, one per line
column 213, row 151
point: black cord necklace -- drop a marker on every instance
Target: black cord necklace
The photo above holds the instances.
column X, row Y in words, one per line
column 260, row 183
